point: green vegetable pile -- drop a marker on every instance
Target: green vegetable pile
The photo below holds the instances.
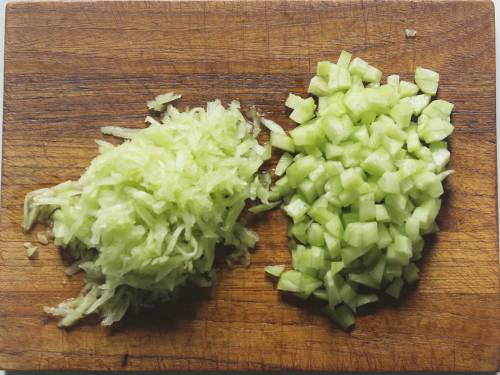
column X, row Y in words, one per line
column 145, row 217
column 362, row 179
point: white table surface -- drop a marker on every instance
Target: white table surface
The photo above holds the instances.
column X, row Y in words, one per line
column 2, row 44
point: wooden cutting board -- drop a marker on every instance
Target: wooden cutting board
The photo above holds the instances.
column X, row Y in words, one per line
column 71, row 67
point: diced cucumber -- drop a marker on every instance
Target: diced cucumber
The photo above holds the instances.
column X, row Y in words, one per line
column 275, row 270
column 285, row 160
column 361, row 234
column 418, row 102
column 367, row 209
column 296, row 209
column 344, row 59
column 342, row 315
column 394, row 289
column 401, row 113
column 434, row 129
column 319, row 87
column 306, row 135
column 283, row 142
column 427, row 80
column 362, row 69
column 365, row 184
column 407, row 89
column 339, row 78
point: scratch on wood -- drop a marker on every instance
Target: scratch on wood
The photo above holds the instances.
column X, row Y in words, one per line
column 125, row 360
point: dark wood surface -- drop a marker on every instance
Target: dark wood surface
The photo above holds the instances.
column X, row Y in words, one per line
column 71, row 67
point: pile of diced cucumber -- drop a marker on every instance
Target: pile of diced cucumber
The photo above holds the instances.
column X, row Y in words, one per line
column 361, row 179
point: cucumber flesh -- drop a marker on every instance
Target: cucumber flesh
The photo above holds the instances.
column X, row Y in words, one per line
column 365, row 183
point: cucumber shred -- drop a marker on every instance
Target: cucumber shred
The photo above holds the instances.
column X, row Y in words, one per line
column 364, row 185
column 144, row 218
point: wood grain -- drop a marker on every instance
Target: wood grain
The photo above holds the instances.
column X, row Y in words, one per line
column 71, row 67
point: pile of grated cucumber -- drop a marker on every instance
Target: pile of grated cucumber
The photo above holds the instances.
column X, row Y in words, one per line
column 145, row 217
